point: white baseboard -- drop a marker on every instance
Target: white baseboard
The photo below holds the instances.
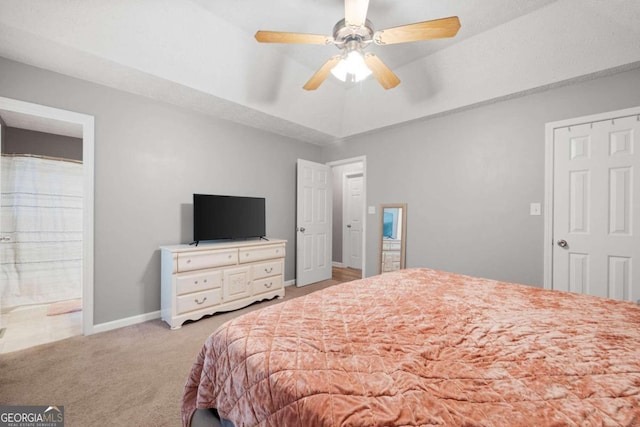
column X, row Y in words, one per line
column 337, row 264
column 128, row 321
column 134, row 320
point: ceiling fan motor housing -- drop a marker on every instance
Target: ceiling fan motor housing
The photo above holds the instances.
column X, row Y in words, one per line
column 352, row 37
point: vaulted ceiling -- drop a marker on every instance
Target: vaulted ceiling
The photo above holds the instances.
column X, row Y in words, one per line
column 201, row 54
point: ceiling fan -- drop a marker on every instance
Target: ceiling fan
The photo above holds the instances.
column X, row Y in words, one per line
column 352, row 35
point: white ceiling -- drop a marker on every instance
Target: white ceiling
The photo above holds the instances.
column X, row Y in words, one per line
column 201, row 54
column 319, row 17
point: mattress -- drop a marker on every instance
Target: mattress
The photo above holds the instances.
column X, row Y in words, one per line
column 420, row 347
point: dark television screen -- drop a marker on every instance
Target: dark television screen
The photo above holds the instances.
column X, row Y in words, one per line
column 227, row 217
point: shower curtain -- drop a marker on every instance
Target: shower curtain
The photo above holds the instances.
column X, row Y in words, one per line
column 42, row 216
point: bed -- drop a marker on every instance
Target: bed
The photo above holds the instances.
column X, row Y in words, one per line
column 420, row 347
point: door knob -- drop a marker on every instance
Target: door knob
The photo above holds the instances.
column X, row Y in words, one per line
column 348, row 225
column 302, row 229
column 563, row 243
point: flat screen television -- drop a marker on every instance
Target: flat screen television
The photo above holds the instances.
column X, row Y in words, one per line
column 227, row 217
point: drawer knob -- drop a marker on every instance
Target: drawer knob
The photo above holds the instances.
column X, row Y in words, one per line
column 229, row 256
column 200, row 302
column 268, row 270
column 269, row 285
column 188, row 261
column 205, row 280
column 195, row 282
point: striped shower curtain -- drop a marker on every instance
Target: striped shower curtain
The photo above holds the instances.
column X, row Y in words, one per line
column 41, row 223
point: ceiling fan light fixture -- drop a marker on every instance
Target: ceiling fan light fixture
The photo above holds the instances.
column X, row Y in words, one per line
column 351, row 68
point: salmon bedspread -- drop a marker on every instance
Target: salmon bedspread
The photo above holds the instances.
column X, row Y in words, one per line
column 420, row 347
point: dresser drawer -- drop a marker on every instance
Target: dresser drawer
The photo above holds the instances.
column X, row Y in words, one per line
column 268, row 284
column 198, row 300
column 390, row 246
column 267, row 269
column 259, row 253
column 198, row 260
column 188, row 283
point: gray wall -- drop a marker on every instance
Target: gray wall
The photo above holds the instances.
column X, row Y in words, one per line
column 23, row 141
column 150, row 158
column 468, row 178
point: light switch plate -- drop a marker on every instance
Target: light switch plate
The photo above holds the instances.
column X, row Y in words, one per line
column 535, row 209
column 372, row 210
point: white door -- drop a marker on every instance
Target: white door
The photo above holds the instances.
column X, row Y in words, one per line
column 313, row 217
column 352, row 221
column 596, row 208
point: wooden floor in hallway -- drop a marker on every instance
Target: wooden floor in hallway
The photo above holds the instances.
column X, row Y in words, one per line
column 345, row 274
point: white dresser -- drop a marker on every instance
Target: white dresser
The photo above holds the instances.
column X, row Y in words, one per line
column 391, row 255
column 221, row 276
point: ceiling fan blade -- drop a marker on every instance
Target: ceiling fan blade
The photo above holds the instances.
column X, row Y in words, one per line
column 355, row 12
column 321, row 75
column 436, row 29
column 381, row 72
column 282, row 37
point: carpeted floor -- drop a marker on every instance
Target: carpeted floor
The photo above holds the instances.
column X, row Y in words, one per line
column 131, row 376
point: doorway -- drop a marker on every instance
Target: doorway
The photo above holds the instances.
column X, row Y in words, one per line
column 320, row 222
column 349, row 219
column 593, row 205
column 33, row 117
column 352, row 214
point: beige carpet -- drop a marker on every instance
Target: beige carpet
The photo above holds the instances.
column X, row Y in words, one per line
column 131, row 376
column 62, row 307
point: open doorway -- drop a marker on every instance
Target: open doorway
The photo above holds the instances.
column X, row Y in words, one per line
column 27, row 122
column 349, row 219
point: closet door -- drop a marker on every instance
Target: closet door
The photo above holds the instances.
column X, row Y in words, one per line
column 596, row 208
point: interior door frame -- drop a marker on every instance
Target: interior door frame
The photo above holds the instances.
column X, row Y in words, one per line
column 2, row 126
column 87, row 122
column 363, row 160
column 549, row 178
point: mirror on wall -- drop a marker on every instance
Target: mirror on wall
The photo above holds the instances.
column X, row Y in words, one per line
column 393, row 236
